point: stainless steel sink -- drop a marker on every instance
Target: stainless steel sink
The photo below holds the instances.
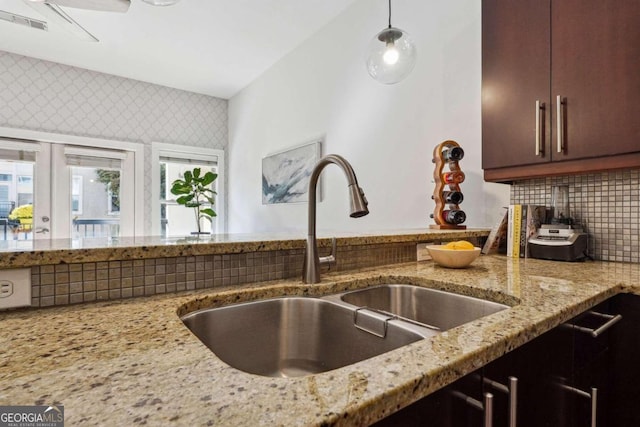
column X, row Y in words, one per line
column 434, row 308
column 296, row 336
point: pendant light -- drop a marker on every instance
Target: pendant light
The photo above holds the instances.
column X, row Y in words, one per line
column 161, row 2
column 391, row 54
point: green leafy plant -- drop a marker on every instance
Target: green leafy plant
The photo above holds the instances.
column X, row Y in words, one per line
column 194, row 191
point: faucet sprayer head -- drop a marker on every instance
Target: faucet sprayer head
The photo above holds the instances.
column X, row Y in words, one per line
column 358, row 202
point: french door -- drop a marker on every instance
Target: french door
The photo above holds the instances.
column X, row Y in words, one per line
column 68, row 187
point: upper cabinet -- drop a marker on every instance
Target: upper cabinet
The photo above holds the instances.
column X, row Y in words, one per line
column 560, row 87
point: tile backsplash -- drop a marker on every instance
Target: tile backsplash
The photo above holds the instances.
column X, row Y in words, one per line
column 605, row 205
column 64, row 284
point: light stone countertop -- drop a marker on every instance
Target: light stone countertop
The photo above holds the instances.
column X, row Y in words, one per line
column 27, row 253
column 133, row 362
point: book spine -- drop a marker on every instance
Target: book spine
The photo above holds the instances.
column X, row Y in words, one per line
column 517, row 219
column 510, row 231
column 526, row 211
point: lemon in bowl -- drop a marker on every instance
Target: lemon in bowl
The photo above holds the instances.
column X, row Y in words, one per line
column 457, row 254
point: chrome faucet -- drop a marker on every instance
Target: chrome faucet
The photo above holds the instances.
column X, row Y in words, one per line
column 358, row 207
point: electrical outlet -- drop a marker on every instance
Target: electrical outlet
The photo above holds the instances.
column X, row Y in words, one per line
column 15, row 288
column 6, row 288
column 422, row 254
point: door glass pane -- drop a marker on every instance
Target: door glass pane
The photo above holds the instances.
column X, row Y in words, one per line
column 177, row 220
column 16, row 199
column 95, row 202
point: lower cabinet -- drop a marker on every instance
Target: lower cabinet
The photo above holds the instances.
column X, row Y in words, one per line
column 459, row 404
column 585, row 372
column 624, row 380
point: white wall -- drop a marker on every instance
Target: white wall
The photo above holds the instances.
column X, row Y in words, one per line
column 386, row 132
column 50, row 97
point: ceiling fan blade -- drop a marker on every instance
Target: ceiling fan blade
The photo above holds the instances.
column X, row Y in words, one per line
column 57, row 16
column 120, row 6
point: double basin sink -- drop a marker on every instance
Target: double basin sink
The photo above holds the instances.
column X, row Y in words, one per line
column 297, row 336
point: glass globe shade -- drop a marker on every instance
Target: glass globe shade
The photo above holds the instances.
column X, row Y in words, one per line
column 391, row 55
column 161, row 2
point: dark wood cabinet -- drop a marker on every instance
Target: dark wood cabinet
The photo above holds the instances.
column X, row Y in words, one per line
column 588, row 365
column 588, row 389
column 516, row 41
column 624, row 373
column 556, row 374
column 540, row 367
column 585, row 53
column 448, row 407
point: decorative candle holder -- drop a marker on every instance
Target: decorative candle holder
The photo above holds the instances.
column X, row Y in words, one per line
column 447, row 194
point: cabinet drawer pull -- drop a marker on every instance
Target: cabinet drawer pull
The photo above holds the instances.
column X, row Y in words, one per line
column 488, row 410
column 512, row 391
column 486, row 405
column 560, row 123
column 539, row 147
column 611, row 320
column 594, row 400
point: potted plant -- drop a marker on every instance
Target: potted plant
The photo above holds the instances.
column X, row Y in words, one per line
column 194, row 191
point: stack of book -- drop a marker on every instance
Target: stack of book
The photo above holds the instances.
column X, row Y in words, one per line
column 523, row 221
column 497, row 240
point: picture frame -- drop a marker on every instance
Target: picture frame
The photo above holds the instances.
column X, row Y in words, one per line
column 286, row 173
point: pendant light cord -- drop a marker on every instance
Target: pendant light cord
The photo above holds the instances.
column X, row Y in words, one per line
column 389, row 13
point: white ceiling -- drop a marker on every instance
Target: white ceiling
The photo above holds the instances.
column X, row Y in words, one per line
column 214, row 47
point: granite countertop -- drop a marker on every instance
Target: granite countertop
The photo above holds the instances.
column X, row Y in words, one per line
column 27, row 253
column 133, row 362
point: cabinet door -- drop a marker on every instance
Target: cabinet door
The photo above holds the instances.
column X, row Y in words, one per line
column 447, row 407
column 625, row 370
column 595, row 69
column 515, row 74
column 541, row 368
column 592, row 367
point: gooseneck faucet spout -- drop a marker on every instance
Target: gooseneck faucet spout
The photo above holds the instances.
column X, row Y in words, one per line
column 358, row 207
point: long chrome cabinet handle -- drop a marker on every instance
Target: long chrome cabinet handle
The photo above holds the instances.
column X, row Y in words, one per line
column 512, row 391
column 539, row 147
column 486, row 405
column 488, row 410
column 594, row 401
column 560, row 123
column 595, row 333
column 513, row 402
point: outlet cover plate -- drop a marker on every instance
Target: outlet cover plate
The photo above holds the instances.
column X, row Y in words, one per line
column 15, row 288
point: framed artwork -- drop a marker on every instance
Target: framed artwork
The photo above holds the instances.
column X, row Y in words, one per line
column 285, row 175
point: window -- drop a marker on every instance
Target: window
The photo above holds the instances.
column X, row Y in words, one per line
column 76, row 195
column 113, row 199
column 178, row 220
column 5, row 177
column 96, row 177
column 170, row 162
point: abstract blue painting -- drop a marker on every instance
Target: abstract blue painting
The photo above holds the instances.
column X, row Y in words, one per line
column 285, row 175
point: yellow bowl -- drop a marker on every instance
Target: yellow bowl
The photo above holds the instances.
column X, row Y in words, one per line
column 452, row 258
